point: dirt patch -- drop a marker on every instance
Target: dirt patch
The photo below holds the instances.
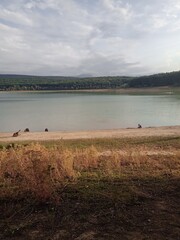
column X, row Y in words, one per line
column 138, row 209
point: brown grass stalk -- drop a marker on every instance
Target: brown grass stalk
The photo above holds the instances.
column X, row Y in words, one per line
column 41, row 172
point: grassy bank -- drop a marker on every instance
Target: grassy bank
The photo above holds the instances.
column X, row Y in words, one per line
column 102, row 144
column 90, row 189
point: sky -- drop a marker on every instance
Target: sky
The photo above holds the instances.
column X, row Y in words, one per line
column 89, row 37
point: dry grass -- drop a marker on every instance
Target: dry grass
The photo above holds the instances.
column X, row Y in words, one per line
column 43, row 172
column 35, row 170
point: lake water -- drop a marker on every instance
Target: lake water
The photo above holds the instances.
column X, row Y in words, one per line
column 85, row 111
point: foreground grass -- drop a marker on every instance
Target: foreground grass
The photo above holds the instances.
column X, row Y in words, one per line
column 172, row 142
column 91, row 189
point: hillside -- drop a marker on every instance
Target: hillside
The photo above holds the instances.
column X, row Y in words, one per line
column 26, row 82
column 157, row 80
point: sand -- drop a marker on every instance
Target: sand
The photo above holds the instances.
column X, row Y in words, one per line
column 115, row 133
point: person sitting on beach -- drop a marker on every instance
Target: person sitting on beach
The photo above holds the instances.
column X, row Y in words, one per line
column 139, row 126
column 46, row 130
column 16, row 134
column 26, row 130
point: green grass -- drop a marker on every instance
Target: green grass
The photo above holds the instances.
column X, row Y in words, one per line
column 106, row 143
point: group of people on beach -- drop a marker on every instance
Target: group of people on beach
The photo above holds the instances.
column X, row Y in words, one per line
column 16, row 134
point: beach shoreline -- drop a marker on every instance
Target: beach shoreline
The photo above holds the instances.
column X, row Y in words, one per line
column 150, row 90
column 90, row 134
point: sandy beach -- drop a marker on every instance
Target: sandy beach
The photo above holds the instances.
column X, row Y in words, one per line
column 115, row 133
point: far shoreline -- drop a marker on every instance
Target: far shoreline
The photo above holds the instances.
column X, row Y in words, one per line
column 164, row 90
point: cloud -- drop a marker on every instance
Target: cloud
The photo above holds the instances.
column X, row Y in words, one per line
column 14, row 17
column 99, row 37
column 117, row 9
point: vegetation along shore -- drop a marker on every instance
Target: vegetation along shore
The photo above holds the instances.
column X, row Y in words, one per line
column 10, row 82
column 119, row 187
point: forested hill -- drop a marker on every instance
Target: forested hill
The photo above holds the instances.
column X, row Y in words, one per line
column 156, row 80
column 23, row 82
column 19, row 82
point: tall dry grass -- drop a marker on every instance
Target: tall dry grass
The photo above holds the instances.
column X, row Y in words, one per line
column 35, row 170
column 41, row 172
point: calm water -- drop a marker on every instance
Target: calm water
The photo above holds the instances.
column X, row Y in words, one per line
column 85, row 111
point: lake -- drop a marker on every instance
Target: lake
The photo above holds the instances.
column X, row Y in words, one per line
column 86, row 111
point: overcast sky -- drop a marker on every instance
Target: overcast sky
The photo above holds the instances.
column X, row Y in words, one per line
column 96, row 37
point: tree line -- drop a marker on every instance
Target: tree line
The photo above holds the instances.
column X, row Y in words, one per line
column 25, row 82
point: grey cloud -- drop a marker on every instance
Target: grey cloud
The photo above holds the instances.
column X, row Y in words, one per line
column 102, row 37
column 99, row 66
